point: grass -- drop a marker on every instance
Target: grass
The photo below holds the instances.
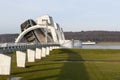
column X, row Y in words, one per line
column 51, row 67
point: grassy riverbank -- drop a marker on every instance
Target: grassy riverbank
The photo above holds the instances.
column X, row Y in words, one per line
column 71, row 64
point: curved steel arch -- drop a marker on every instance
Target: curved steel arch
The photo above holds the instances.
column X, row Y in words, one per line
column 19, row 38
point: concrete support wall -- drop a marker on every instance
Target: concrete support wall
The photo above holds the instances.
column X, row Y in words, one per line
column 21, row 58
column 38, row 53
column 50, row 48
column 43, row 52
column 47, row 50
column 5, row 64
column 31, row 55
column 53, row 47
column 58, row 47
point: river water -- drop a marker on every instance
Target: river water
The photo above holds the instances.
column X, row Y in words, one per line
column 100, row 46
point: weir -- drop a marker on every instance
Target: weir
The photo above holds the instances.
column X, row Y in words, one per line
column 35, row 41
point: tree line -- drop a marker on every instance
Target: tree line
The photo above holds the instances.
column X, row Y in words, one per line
column 8, row 38
column 97, row 36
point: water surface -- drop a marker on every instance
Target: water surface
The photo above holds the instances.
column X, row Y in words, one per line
column 101, row 46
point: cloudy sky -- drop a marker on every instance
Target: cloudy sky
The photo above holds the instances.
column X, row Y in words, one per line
column 72, row 15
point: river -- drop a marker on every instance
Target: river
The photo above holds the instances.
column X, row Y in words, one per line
column 100, row 46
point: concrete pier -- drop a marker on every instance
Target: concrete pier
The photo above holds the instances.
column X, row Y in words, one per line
column 38, row 53
column 31, row 55
column 51, row 48
column 21, row 58
column 43, row 52
column 5, row 64
column 47, row 50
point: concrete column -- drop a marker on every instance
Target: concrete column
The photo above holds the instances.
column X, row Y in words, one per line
column 50, row 48
column 56, row 47
column 47, row 51
column 53, row 47
column 59, row 47
column 5, row 64
column 31, row 55
column 38, row 53
column 21, row 58
column 43, row 52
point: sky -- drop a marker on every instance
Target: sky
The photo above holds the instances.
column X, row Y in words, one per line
column 71, row 15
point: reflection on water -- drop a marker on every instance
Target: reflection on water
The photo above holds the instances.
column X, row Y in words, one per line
column 101, row 46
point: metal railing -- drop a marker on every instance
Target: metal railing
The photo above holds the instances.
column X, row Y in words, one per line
column 12, row 47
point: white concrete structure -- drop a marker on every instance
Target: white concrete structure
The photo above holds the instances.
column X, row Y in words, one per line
column 43, row 52
column 88, row 43
column 38, row 54
column 41, row 20
column 45, row 22
column 5, row 64
column 33, row 51
column 47, row 50
column 21, row 58
column 30, row 55
column 51, row 48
